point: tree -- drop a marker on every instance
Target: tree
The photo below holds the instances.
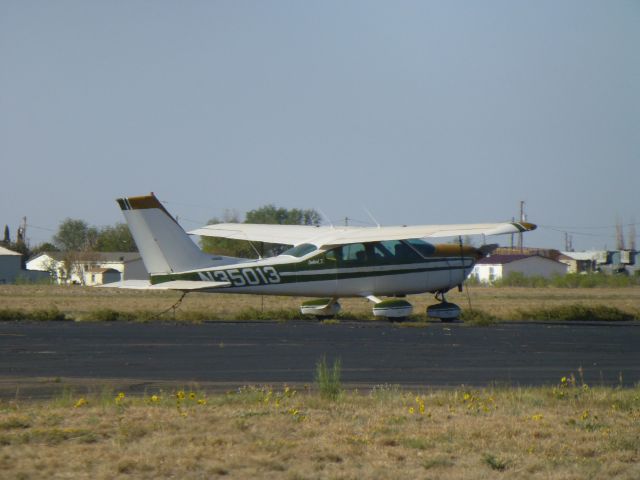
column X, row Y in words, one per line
column 74, row 235
column 268, row 214
column 116, row 238
column 226, row 246
column 7, row 236
column 43, row 247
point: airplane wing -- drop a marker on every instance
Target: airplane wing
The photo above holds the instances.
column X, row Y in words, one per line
column 373, row 234
column 324, row 236
column 285, row 234
column 182, row 285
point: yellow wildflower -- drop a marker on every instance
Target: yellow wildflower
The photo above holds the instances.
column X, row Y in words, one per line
column 80, row 403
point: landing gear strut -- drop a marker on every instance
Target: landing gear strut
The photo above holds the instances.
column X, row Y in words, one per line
column 444, row 311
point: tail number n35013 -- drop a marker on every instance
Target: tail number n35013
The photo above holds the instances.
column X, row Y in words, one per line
column 241, row 277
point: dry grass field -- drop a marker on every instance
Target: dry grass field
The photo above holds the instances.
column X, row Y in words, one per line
column 504, row 303
column 566, row 431
column 569, row 431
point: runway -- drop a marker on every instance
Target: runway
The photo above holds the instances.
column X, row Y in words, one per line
column 37, row 356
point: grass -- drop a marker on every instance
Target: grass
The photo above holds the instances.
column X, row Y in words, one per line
column 488, row 305
column 577, row 313
column 328, row 379
column 267, row 432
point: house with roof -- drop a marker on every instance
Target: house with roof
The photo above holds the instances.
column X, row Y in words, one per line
column 11, row 268
column 89, row 268
column 10, row 265
column 604, row 261
column 494, row 267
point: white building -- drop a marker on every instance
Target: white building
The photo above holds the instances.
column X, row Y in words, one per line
column 583, row 262
column 11, row 268
column 490, row 269
column 9, row 265
column 90, row 268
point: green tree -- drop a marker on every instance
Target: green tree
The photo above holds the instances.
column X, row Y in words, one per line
column 226, row 246
column 268, row 214
column 74, row 235
column 43, row 247
column 115, row 238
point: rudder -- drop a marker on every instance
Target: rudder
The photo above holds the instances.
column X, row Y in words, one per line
column 163, row 244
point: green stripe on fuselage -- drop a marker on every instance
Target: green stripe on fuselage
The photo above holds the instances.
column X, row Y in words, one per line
column 245, row 275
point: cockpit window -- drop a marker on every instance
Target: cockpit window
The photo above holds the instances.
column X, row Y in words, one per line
column 424, row 248
column 300, row 250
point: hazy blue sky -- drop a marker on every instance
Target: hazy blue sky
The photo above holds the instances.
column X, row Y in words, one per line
column 424, row 112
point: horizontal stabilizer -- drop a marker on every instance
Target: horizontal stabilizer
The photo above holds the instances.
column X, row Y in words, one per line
column 181, row 285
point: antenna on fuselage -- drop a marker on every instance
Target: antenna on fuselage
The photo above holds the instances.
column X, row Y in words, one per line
column 326, row 217
column 371, row 216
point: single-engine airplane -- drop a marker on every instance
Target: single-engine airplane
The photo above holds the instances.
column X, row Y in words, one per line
column 324, row 261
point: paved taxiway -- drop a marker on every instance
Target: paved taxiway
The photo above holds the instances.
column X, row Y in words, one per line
column 232, row 354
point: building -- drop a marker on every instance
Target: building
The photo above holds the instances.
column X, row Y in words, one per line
column 494, row 267
column 604, row 261
column 89, row 268
column 11, row 268
column 9, row 265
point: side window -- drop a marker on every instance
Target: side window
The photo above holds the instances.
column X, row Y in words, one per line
column 333, row 257
column 381, row 253
column 354, row 254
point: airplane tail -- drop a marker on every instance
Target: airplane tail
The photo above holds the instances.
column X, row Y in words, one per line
column 163, row 244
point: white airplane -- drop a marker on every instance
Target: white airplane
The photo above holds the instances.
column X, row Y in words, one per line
column 325, row 261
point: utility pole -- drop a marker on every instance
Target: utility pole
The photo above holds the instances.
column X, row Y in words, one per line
column 522, row 219
column 513, row 219
column 619, row 234
column 22, row 232
column 568, row 242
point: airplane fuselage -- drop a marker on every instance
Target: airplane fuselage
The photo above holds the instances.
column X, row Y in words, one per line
column 342, row 272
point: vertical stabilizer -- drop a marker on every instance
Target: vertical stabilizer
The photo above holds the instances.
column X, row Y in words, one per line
column 163, row 244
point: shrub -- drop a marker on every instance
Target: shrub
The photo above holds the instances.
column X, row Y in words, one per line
column 518, row 279
column 328, row 380
column 577, row 313
column 50, row 314
column 11, row 314
column 109, row 315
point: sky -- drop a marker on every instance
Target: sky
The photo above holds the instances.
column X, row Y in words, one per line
column 420, row 112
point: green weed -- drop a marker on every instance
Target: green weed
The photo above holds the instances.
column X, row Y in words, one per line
column 328, row 379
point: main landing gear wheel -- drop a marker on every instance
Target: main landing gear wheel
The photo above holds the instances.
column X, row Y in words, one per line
column 321, row 309
column 443, row 311
column 393, row 309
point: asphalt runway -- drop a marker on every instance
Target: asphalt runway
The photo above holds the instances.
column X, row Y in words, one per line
column 37, row 357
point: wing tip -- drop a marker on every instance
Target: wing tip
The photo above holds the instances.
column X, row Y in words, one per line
column 524, row 226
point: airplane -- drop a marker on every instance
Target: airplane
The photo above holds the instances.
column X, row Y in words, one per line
column 324, row 262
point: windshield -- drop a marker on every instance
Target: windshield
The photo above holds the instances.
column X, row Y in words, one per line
column 300, row 250
column 425, row 249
